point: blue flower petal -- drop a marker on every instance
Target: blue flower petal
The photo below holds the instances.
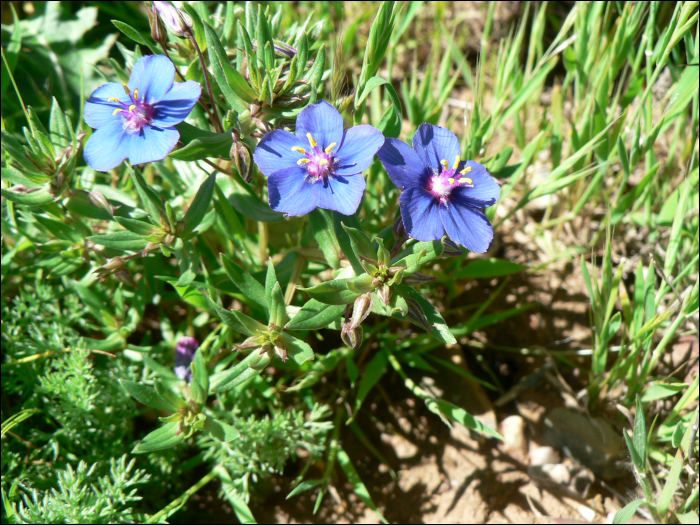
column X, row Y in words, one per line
column 153, row 76
column 341, row 194
column 174, row 107
column 275, row 153
column 289, row 192
column 433, row 144
column 404, row 166
column 98, row 110
column 421, row 217
column 108, row 146
column 152, row 144
column 358, row 148
column 467, row 226
column 323, row 122
column 485, row 192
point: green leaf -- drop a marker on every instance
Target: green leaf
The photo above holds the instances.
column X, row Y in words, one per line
column 623, row 515
column 245, row 282
column 199, row 206
column 413, row 257
column 688, row 518
column 390, row 124
column 237, row 321
column 11, row 51
column 461, row 416
column 136, row 35
column 209, row 145
column 238, row 374
column 663, row 502
column 150, row 199
column 220, row 430
column 357, row 485
column 166, row 436
column 344, row 239
column 373, row 373
column 640, row 436
column 58, row 126
column 304, row 486
column 123, row 240
column 297, row 349
column 662, row 390
column 34, row 198
column 361, row 245
column 487, row 269
column 192, row 295
column 322, row 227
column 141, row 228
column 245, row 201
column 332, row 292
column 148, row 396
column 199, row 386
column 278, row 308
column 234, row 87
column 315, row 315
column 270, row 281
column 165, row 392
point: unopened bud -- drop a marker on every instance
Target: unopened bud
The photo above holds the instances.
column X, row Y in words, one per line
column 184, row 354
column 112, row 265
column 98, row 200
column 282, row 49
column 451, row 248
column 281, row 352
column 240, row 155
column 248, row 344
column 179, row 22
column 384, row 293
column 418, row 278
column 352, row 336
column 158, row 31
column 416, row 314
column 399, row 231
column 370, row 265
column 125, row 277
column 361, row 309
column 262, row 125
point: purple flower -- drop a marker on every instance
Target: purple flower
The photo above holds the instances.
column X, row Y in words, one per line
column 441, row 193
column 177, row 21
column 184, row 354
column 135, row 121
column 320, row 166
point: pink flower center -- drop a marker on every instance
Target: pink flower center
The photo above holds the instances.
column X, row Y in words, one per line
column 135, row 114
column 319, row 164
column 441, row 184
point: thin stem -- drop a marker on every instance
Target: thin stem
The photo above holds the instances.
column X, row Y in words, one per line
column 217, row 119
column 219, row 168
column 176, row 504
column 12, row 77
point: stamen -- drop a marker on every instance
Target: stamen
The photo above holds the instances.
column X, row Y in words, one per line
column 126, row 88
column 444, row 164
column 300, row 150
column 132, row 108
column 456, row 164
column 303, row 161
column 112, row 99
column 330, row 147
column 465, row 180
column 311, row 140
column 118, row 110
column 136, row 94
column 451, row 180
column 465, row 170
column 322, row 162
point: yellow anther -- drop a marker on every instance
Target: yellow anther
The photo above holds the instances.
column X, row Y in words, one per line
column 118, row 110
column 456, row 164
column 311, row 140
column 465, row 180
column 112, row 99
column 300, row 150
column 136, row 94
column 322, row 162
column 303, row 161
column 451, row 180
column 132, row 107
column 465, row 171
column 126, row 88
column 330, row 147
column 444, row 164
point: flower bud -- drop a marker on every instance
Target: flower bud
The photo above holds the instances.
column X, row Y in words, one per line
column 352, row 336
column 184, row 354
column 98, row 200
column 384, row 293
column 125, row 277
column 240, row 155
column 249, row 343
column 399, row 231
column 111, row 266
column 361, row 309
column 158, row 31
column 281, row 352
column 451, row 248
column 178, row 22
column 416, row 314
column 418, row 278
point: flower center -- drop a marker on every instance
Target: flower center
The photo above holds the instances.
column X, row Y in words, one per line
column 319, row 164
column 441, row 184
column 136, row 113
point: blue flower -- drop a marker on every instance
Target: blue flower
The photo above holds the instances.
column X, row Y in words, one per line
column 135, row 121
column 184, row 354
column 441, row 193
column 320, row 166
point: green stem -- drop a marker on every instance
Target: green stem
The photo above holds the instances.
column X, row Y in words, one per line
column 177, row 504
column 217, row 120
